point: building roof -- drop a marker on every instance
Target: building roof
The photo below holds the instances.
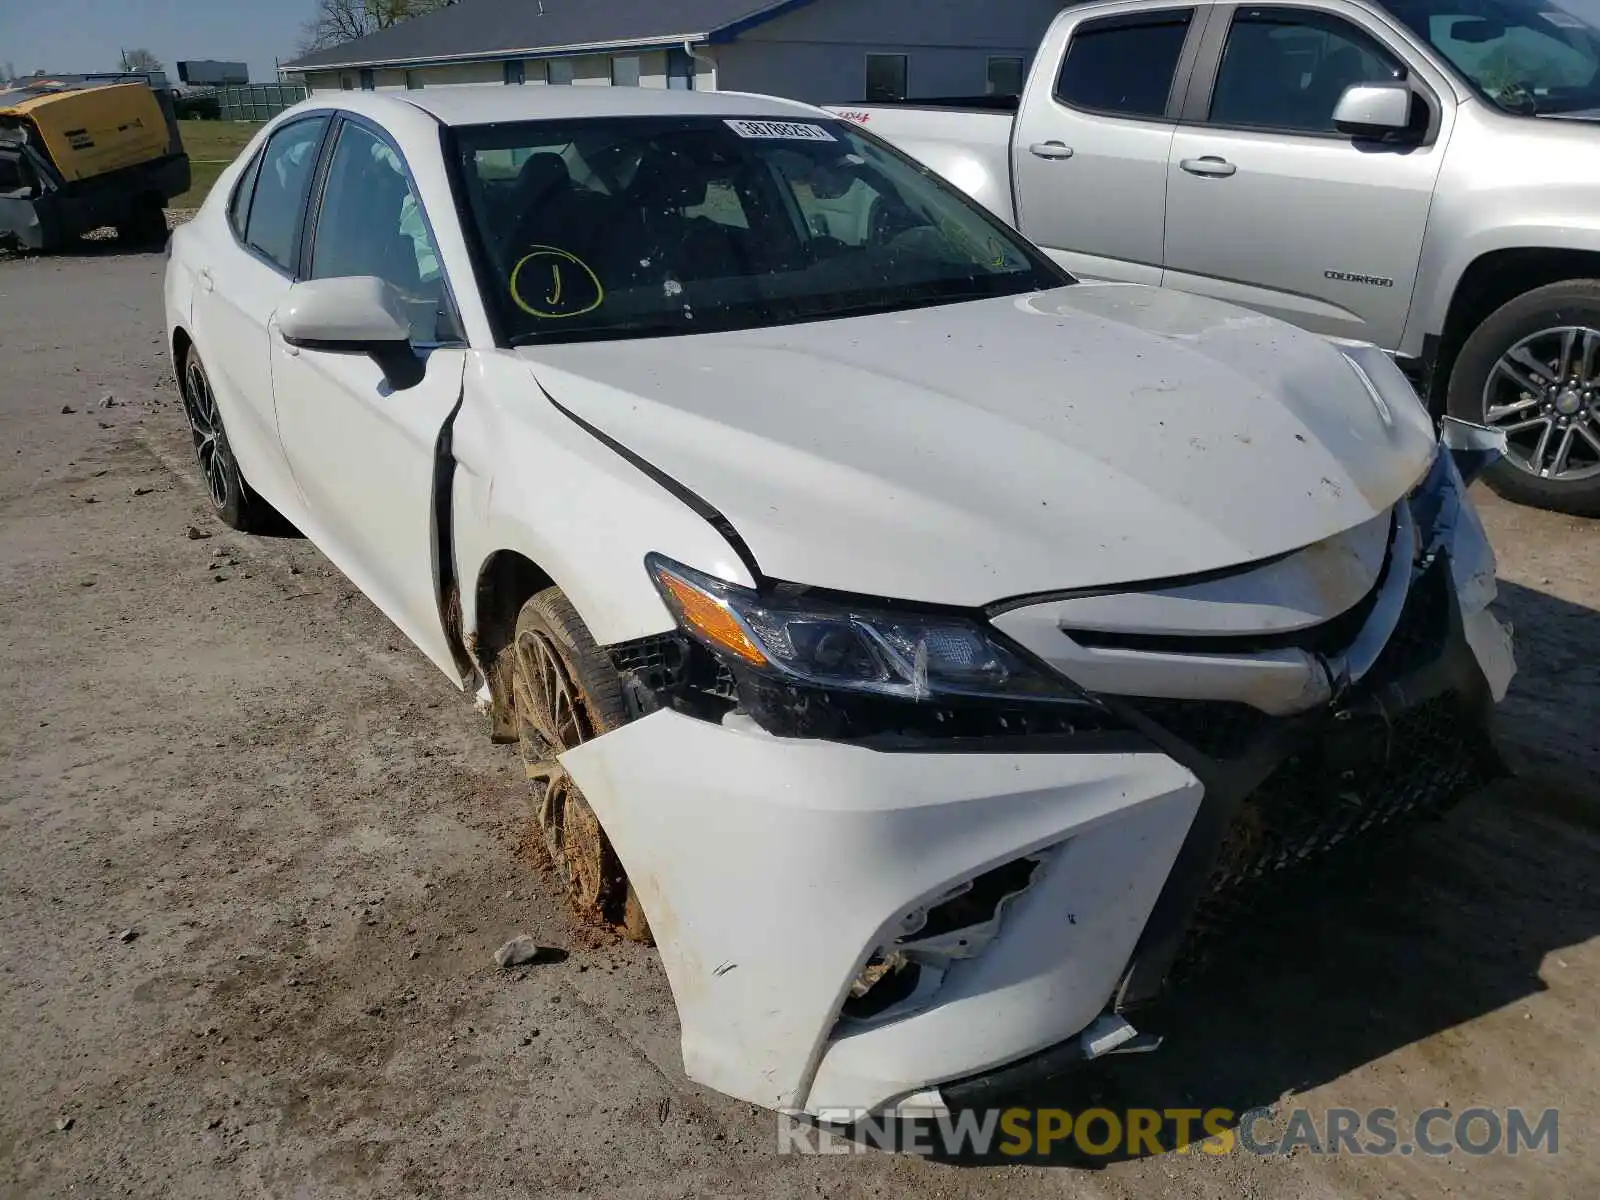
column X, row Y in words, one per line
column 478, row 29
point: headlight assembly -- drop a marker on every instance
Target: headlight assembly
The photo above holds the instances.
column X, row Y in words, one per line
column 876, row 675
column 848, row 648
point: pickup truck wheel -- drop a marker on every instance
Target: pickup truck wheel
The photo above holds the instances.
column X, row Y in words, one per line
column 1533, row 370
column 566, row 692
column 231, row 498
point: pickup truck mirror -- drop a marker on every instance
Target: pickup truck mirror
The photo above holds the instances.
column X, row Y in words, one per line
column 357, row 314
column 1373, row 109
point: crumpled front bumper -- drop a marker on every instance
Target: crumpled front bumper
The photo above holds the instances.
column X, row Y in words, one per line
column 773, row 869
column 770, row 869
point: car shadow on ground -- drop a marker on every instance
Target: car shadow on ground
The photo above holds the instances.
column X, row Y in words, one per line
column 105, row 245
column 1454, row 921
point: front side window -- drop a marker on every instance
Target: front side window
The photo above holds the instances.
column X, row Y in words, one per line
column 886, row 78
column 281, row 189
column 371, row 223
column 641, row 227
column 1124, row 67
column 1527, row 57
column 1285, row 69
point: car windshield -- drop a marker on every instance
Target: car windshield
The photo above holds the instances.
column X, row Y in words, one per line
column 642, row 227
column 1528, row 57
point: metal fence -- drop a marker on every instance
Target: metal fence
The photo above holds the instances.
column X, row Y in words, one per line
column 258, row 101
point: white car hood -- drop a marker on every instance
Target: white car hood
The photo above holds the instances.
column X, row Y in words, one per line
column 1090, row 436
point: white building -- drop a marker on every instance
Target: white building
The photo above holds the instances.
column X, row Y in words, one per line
column 823, row 51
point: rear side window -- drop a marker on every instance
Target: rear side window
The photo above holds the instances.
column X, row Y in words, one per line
column 239, row 206
column 1122, row 67
column 283, row 182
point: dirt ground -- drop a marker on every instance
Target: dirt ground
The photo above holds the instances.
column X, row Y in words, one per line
column 256, row 854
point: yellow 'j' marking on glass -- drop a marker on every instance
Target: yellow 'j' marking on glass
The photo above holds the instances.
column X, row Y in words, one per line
column 558, row 305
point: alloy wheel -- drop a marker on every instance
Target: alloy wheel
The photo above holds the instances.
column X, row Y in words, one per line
column 553, row 717
column 210, row 442
column 1544, row 394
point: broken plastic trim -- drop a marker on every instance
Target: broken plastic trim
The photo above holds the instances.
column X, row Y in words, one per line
column 1475, row 448
column 902, row 975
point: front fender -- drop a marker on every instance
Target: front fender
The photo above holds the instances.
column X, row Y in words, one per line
column 531, row 480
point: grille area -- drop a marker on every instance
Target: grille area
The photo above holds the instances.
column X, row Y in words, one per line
column 1360, row 784
column 1345, row 779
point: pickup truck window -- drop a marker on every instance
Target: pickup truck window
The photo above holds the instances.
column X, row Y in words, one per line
column 1526, row 57
column 646, row 227
column 1124, row 66
column 1285, row 69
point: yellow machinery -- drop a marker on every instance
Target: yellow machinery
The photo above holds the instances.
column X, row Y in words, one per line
column 75, row 155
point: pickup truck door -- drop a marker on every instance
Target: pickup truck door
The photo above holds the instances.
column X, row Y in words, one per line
column 1268, row 205
column 363, row 454
column 243, row 270
column 1094, row 134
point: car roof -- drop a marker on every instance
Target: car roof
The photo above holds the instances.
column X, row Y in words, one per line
column 487, row 104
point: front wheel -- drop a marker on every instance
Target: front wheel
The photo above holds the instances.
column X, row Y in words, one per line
column 1532, row 370
column 566, row 692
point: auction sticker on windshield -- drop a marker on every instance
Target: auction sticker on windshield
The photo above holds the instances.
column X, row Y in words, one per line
column 781, row 129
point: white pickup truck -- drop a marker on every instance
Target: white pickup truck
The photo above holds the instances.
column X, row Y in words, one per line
column 1421, row 174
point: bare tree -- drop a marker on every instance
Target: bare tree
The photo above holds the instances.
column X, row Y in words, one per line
column 141, row 62
column 340, row 21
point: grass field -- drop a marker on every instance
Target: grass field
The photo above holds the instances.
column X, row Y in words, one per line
column 211, row 146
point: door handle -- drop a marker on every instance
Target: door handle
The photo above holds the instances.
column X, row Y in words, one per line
column 1055, row 150
column 204, row 278
column 1210, row 165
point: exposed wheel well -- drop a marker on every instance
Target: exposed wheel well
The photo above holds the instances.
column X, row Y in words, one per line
column 181, row 341
column 1491, row 281
column 507, row 581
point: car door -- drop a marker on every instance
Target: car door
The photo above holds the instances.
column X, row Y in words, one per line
column 242, row 277
column 363, row 454
column 1093, row 136
column 1268, row 205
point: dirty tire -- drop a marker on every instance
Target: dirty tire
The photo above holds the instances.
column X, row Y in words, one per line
column 564, row 692
column 1574, row 303
column 232, row 500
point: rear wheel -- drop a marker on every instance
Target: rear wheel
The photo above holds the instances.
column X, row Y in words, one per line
column 566, row 692
column 1532, row 370
column 231, row 498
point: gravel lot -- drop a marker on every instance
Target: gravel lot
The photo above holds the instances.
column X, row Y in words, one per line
column 256, row 854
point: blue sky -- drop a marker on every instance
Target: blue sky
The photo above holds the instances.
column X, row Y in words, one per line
column 89, row 35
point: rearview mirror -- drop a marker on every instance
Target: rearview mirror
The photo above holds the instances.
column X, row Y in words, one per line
column 1373, row 109
column 358, row 314
column 1475, row 31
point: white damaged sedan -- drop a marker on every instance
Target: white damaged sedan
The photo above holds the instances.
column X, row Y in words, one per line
column 932, row 653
